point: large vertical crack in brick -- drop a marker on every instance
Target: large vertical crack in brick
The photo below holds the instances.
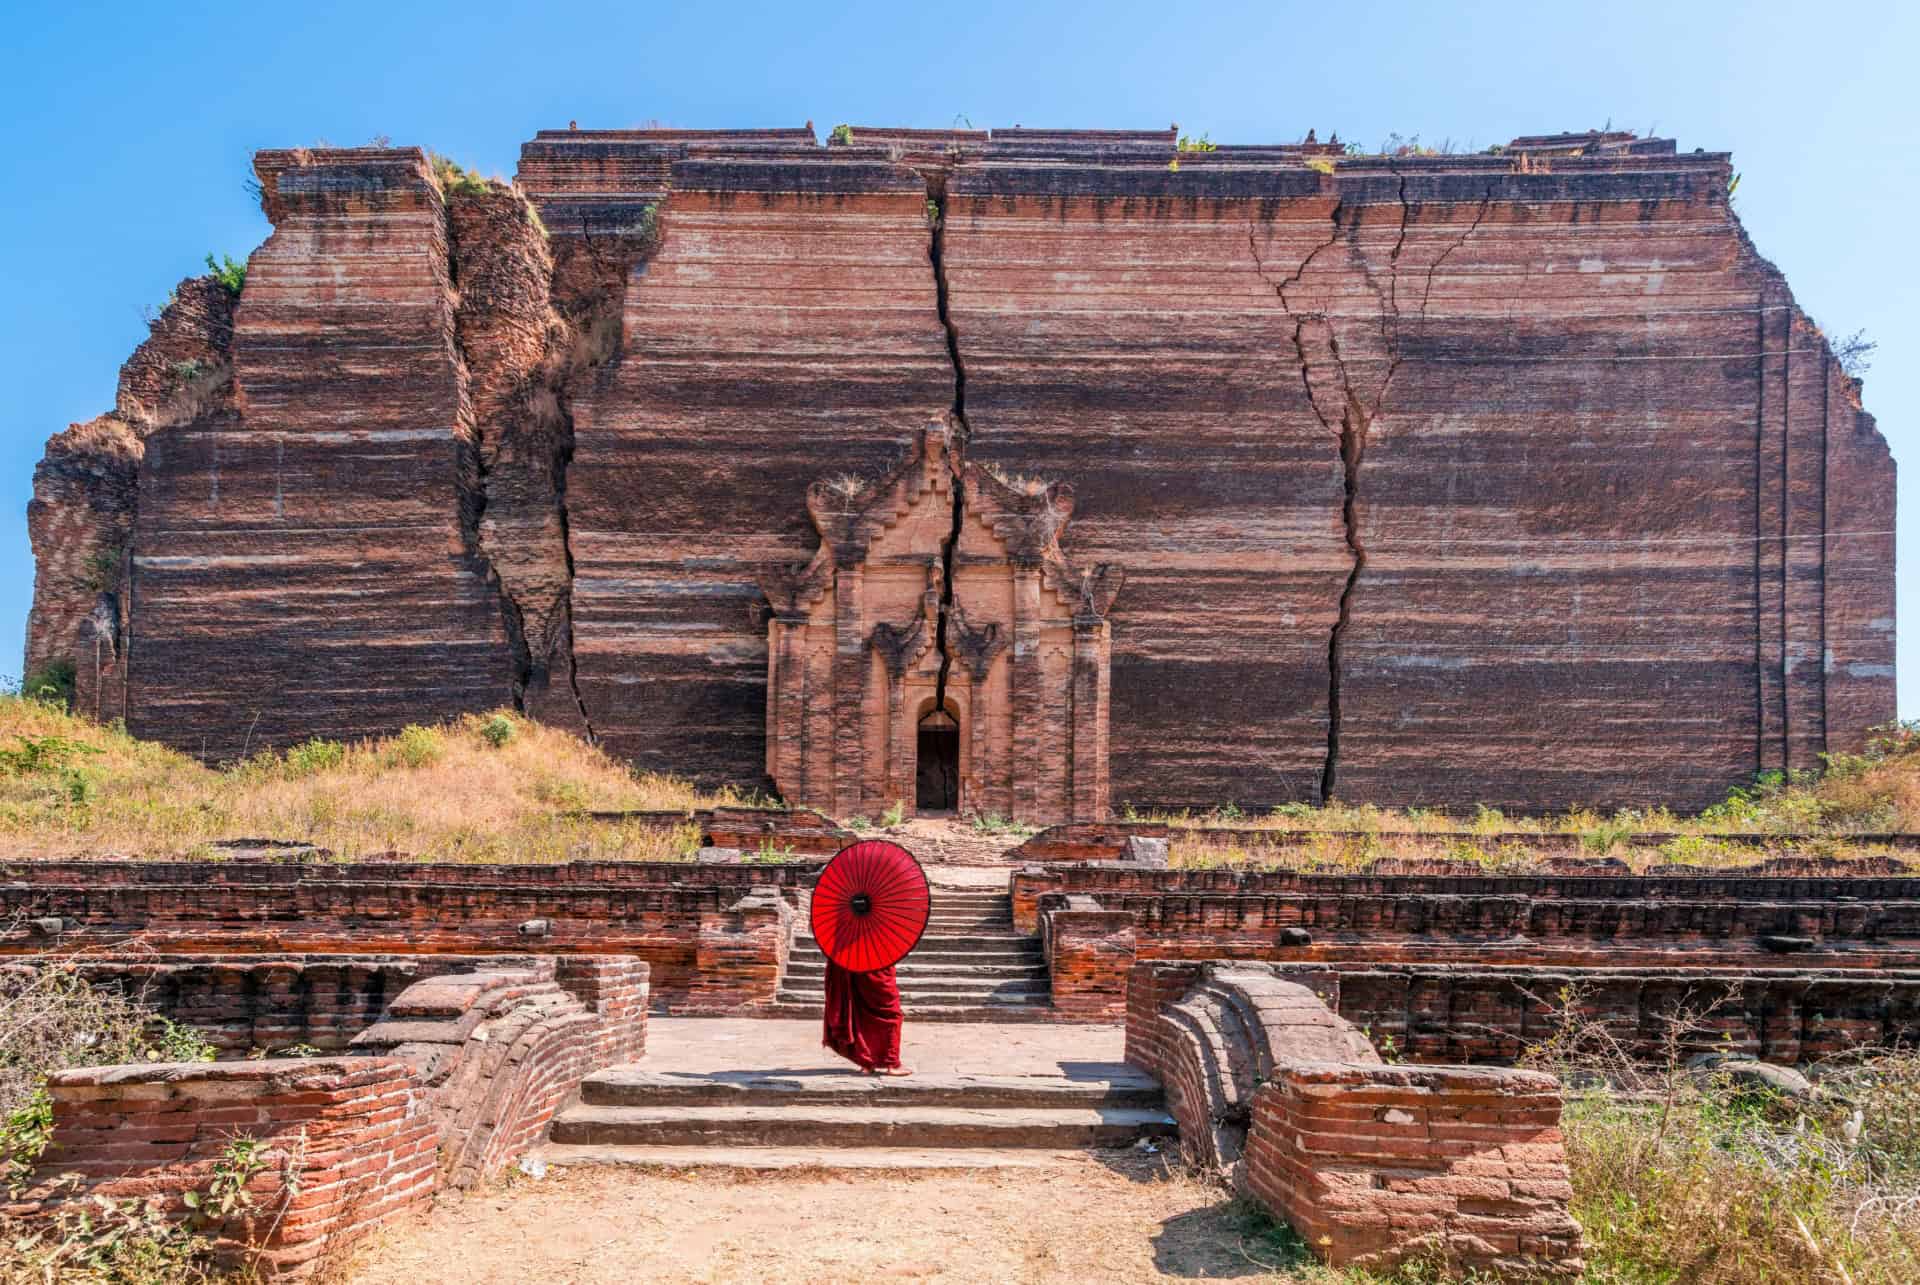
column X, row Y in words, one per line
column 1341, row 402
column 936, row 255
column 513, row 352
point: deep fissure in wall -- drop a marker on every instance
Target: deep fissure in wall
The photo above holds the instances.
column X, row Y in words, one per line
column 936, row 254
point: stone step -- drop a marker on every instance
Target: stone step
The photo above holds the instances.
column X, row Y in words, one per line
column 971, row 943
column 805, row 1125
column 911, row 970
column 632, row 1087
column 941, row 992
column 761, row 1159
column 914, row 1001
column 784, row 1005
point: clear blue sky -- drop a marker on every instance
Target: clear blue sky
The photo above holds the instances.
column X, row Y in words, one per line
column 125, row 132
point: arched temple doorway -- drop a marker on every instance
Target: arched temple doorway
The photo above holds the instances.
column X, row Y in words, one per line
column 937, row 764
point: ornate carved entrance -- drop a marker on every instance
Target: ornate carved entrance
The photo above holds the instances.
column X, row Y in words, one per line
column 939, row 646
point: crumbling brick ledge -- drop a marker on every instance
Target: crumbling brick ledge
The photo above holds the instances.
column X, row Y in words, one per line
column 459, row 1077
column 1372, row 1164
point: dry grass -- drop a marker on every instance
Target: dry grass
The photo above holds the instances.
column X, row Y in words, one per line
column 1830, row 814
column 69, row 788
column 1682, row 1172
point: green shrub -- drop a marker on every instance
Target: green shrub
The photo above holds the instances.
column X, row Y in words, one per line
column 416, row 746
column 52, row 683
column 313, row 756
column 842, row 134
column 231, row 275
column 895, row 814
column 497, row 730
column 41, row 754
column 56, row 1019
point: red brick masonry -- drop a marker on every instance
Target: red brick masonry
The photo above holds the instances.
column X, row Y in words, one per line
column 1371, row 1163
column 704, row 929
column 470, row 1070
column 351, row 1137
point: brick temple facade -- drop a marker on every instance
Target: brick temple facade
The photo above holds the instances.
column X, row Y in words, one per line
column 1515, row 477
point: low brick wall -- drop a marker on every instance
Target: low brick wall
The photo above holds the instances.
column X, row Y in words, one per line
column 354, row 1134
column 1088, row 952
column 659, row 912
column 740, row 955
column 1376, row 1164
column 244, row 1003
column 461, row 1074
column 1106, row 841
column 1371, row 1163
column 1482, row 1015
column 1087, row 916
column 1860, row 905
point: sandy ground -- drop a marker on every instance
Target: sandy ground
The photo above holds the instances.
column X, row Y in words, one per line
column 1090, row 1219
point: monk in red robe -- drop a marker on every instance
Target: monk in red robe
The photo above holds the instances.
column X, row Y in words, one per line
column 864, row 1019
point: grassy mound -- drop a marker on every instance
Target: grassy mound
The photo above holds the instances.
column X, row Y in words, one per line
column 488, row 787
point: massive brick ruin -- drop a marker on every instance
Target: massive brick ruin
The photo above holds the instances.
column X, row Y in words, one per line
column 1513, row 477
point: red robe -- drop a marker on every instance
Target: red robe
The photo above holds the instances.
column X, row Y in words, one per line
column 863, row 1017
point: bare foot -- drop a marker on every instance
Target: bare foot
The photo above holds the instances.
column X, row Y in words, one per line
column 890, row 1070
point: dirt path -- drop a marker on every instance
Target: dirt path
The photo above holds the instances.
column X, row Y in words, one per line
column 1088, row 1220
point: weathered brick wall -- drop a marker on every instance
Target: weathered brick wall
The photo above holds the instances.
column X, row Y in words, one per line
column 1370, row 1163
column 1376, row 1164
column 1586, row 921
column 659, row 912
column 1088, row 950
column 740, row 955
column 1463, row 1013
column 353, row 1134
column 1557, row 852
column 461, row 1075
column 239, row 1003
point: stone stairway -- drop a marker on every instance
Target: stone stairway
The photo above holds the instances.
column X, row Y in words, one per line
column 970, row 966
column 788, row 1119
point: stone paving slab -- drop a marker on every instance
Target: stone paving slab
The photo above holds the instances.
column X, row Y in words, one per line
column 1104, row 1085
column 773, row 1045
column 823, row 1124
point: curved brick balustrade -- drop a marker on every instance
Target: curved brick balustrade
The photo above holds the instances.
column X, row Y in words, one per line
column 1370, row 1163
column 498, row 1052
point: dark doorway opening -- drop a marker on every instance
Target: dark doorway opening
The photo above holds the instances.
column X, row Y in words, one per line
column 937, row 777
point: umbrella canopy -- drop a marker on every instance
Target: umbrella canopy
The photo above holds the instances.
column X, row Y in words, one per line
column 870, row 905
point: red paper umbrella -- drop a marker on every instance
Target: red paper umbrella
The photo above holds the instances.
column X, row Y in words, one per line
column 870, row 906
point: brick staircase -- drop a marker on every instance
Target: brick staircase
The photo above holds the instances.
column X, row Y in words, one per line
column 971, row 966
column 787, row 1119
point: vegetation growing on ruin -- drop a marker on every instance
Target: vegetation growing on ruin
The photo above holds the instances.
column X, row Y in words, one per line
column 1685, row 1169
column 489, row 787
column 1838, row 812
column 231, row 276
column 455, row 179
